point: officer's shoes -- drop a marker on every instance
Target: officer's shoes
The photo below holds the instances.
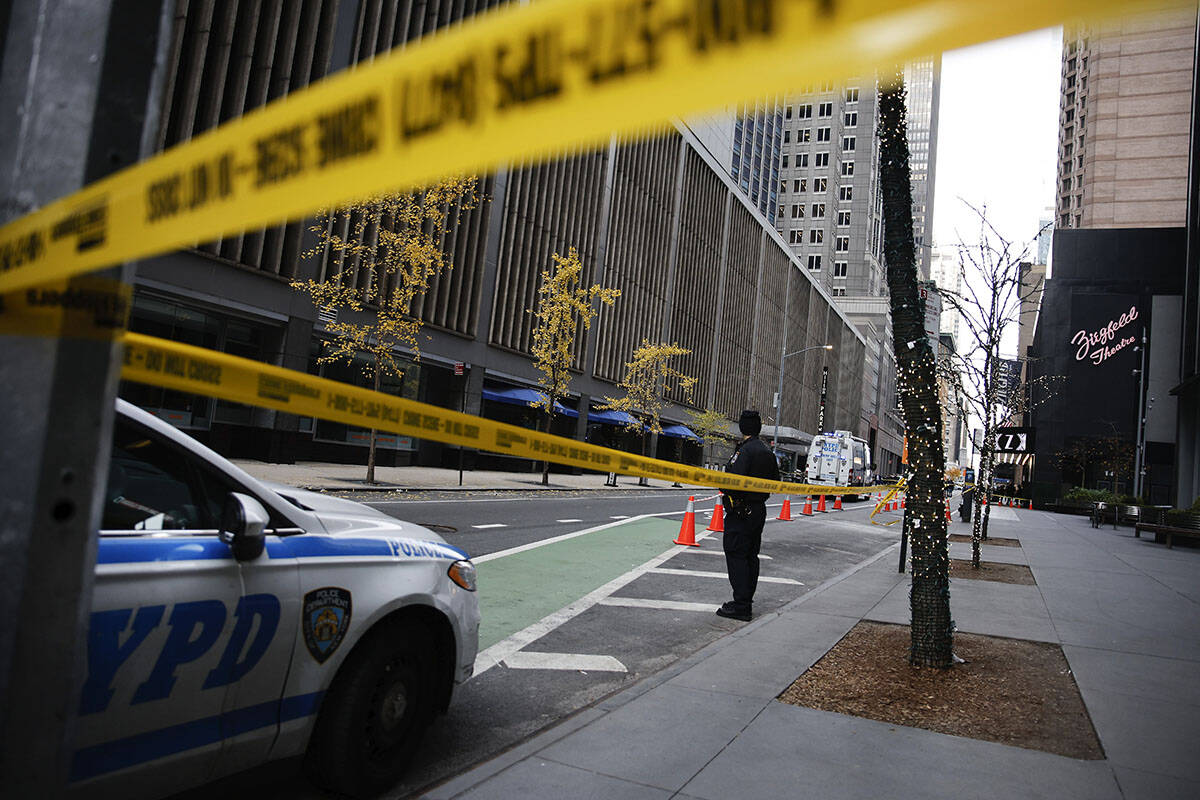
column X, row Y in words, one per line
column 730, row 611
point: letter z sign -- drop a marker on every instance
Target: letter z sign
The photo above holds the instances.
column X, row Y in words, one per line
column 1014, row 440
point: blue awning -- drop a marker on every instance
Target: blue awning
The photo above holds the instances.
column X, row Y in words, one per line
column 680, row 431
column 609, row 417
column 524, row 397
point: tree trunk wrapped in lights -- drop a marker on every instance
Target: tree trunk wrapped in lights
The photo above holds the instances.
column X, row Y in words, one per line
column 932, row 628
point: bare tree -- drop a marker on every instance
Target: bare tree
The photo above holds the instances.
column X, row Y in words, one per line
column 988, row 302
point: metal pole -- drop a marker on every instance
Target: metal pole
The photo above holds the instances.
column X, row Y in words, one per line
column 1139, row 457
column 79, row 89
column 782, row 351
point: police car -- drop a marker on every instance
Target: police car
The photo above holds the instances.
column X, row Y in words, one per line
column 233, row 623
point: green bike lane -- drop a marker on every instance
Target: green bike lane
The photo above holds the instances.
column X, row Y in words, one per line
column 519, row 589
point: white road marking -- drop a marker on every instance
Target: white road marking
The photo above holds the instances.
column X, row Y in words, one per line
column 621, row 516
column 666, row 605
column 569, row 520
column 490, row 525
column 695, row 573
column 718, row 552
column 564, row 661
column 543, row 542
column 503, row 649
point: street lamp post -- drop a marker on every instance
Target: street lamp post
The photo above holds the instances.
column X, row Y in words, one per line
column 779, row 394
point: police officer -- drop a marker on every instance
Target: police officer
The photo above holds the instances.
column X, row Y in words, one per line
column 745, row 513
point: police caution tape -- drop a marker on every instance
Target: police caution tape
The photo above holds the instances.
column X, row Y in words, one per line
column 171, row 365
column 521, row 82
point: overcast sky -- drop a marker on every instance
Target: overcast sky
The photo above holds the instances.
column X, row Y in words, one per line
column 997, row 136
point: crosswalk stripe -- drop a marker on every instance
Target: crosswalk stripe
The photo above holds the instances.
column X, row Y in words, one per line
column 573, row 662
column 666, row 605
column 700, row 574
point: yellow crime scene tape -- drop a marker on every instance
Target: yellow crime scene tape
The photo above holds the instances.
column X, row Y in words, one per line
column 517, row 83
column 883, row 502
column 172, row 365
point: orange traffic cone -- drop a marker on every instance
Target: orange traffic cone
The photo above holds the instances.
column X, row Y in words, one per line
column 807, row 506
column 902, row 501
column 837, row 503
column 821, row 505
column 718, row 518
column 1029, row 505
column 785, row 513
column 948, row 517
column 687, row 531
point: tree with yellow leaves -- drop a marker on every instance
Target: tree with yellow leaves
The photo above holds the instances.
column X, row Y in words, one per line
column 563, row 306
column 380, row 255
column 648, row 379
column 711, row 426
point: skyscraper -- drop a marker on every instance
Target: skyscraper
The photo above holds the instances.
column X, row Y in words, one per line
column 923, row 80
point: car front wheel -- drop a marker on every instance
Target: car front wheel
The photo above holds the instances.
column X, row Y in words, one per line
column 376, row 711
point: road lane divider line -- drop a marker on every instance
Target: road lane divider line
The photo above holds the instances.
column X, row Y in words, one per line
column 569, row 520
column 695, row 573
column 565, row 662
column 489, row 525
column 663, row 605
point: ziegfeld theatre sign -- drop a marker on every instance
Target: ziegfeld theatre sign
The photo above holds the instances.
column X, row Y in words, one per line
column 1099, row 345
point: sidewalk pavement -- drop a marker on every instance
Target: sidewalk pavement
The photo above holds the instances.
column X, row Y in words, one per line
column 1124, row 611
column 322, row 476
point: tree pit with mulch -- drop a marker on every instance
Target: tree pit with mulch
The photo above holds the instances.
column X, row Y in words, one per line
column 991, row 571
column 1010, row 691
column 995, row 541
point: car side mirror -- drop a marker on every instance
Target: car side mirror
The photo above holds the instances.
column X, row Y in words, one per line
column 242, row 522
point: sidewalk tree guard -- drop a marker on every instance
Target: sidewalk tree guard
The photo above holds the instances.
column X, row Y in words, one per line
column 377, row 260
column 563, row 306
column 932, row 627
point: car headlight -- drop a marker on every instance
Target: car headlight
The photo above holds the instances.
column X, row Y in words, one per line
column 463, row 573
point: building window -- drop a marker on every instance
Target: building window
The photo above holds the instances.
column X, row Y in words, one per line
column 1066, row 165
column 826, row 110
column 1068, row 149
column 803, row 135
column 843, row 218
column 852, row 95
column 1069, row 131
column 1070, row 81
column 782, row 187
column 787, row 137
column 847, row 168
column 822, row 134
column 816, row 236
column 784, row 165
column 817, row 211
column 846, row 193
column 800, row 185
column 814, row 263
column 822, row 159
column 820, row 185
column 838, row 291
column 1080, row 161
column 842, row 244
column 787, row 113
column 848, row 143
column 797, row 211
column 851, row 119
column 804, row 111
column 795, row 237
column 1066, row 184
column 839, row 269
column 1070, row 114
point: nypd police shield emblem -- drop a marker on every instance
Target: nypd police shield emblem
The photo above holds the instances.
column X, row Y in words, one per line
column 325, row 618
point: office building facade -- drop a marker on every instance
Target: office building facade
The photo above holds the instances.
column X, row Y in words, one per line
column 657, row 218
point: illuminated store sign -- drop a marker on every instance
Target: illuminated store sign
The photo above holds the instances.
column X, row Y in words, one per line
column 1101, row 344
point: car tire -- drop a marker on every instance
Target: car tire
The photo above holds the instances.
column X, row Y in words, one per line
column 375, row 713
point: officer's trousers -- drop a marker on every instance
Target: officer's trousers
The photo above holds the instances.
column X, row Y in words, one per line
column 741, row 542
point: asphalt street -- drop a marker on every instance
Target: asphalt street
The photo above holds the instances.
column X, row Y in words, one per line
column 582, row 595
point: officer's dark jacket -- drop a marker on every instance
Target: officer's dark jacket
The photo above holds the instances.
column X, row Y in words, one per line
column 753, row 458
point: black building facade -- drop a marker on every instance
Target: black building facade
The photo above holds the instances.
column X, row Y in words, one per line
column 1110, row 288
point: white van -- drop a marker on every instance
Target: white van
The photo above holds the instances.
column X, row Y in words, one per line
column 839, row 459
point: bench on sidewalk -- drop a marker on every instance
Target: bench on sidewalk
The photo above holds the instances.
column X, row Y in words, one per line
column 1188, row 526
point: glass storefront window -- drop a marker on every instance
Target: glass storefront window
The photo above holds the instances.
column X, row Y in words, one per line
column 357, row 373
